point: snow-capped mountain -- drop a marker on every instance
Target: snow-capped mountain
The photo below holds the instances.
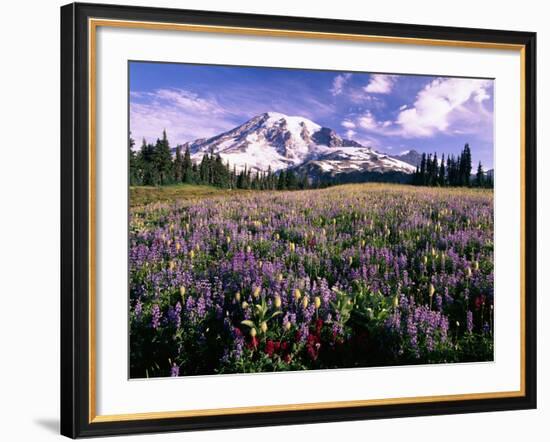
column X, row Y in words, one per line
column 279, row 141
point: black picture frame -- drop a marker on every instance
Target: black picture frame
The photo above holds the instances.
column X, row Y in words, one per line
column 75, row 220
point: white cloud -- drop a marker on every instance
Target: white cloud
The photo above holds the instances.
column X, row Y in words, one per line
column 348, row 124
column 368, row 121
column 188, row 101
column 350, row 133
column 338, row 83
column 368, row 142
column 380, row 84
column 358, row 96
column 481, row 96
column 185, row 115
column 443, row 102
column 445, row 105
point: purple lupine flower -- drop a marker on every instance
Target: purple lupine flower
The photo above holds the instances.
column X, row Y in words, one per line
column 238, row 342
column 469, row 321
column 439, row 302
column 326, row 231
column 174, row 370
column 443, row 328
column 138, row 309
column 174, row 315
column 412, row 334
column 155, row 316
column 201, row 307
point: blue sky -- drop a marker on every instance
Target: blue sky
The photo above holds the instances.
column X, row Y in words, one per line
column 391, row 113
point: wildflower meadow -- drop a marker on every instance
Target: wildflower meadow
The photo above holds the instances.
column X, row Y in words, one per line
column 355, row 275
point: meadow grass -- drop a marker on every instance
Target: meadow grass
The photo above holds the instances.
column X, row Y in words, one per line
column 143, row 195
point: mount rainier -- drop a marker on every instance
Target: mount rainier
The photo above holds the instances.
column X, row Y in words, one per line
column 277, row 141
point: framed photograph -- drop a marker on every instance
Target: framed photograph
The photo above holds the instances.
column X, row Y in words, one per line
column 274, row 220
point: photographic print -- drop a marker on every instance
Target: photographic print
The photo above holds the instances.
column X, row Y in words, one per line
column 254, row 207
column 288, row 219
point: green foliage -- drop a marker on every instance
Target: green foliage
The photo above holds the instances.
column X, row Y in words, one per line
column 154, row 165
column 162, row 160
column 343, row 305
column 371, row 308
column 455, row 171
column 262, row 315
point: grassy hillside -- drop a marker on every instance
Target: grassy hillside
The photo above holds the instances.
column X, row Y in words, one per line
column 141, row 195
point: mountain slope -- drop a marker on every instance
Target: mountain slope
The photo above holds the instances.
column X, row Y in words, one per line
column 411, row 157
column 353, row 159
column 277, row 141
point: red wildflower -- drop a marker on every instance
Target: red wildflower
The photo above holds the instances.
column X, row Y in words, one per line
column 253, row 343
column 269, row 347
column 318, row 326
column 313, row 345
column 313, row 353
column 479, row 301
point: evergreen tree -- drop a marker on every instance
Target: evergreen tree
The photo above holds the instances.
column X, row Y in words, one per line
column 163, row 160
column 211, row 167
column 178, row 166
column 220, row 173
column 441, row 175
column 270, row 179
column 416, row 176
column 454, row 171
column 480, row 176
column 434, row 174
column 465, row 166
column 240, row 180
column 146, row 159
column 449, row 170
column 291, row 181
column 246, row 178
column 488, row 179
column 203, row 169
column 133, row 163
column 233, row 176
column 256, row 181
column 281, row 182
column 423, row 170
column 187, row 167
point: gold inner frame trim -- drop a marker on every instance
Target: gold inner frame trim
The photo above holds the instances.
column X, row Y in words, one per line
column 93, row 24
